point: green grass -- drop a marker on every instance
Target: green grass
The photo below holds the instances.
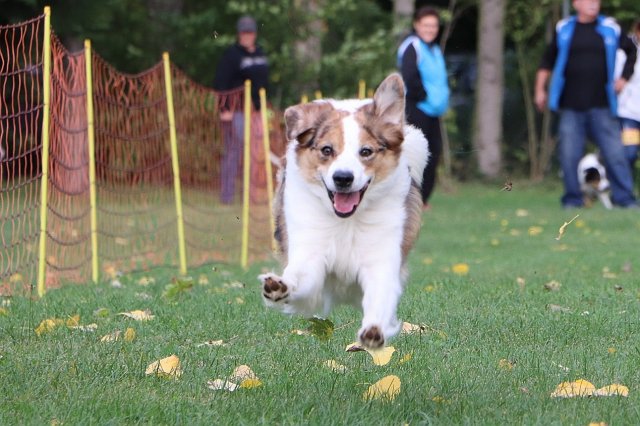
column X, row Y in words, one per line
column 472, row 322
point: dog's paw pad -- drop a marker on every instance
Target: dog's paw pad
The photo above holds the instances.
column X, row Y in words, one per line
column 372, row 337
column 273, row 288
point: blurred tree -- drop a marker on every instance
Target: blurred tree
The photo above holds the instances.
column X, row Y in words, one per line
column 487, row 137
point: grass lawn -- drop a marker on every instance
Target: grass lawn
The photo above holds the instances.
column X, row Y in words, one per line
column 495, row 341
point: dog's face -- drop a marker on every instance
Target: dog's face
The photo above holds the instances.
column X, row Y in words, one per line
column 347, row 146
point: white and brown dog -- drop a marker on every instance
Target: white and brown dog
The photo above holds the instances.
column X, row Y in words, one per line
column 348, row 209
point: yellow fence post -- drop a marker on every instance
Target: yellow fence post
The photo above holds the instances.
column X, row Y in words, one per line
column 317, row 94
column 174, row 162
column 304, row 99
column 244, row 255
column 267, row 161
column 46, row 107
column 362, row 86
column 92, row 162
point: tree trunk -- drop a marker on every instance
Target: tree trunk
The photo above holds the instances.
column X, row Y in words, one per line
column 309, row 49
column 402, row 17
column 487, row 138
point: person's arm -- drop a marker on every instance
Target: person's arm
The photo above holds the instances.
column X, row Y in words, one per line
column 411, row 75
column 627, row 71
column 543, row 74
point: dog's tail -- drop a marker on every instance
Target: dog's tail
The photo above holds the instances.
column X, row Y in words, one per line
column 415, row 149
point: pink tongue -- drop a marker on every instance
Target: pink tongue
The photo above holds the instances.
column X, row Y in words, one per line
column 345, row 202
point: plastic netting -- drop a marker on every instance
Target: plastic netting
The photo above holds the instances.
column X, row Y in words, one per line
column 136, row 214
column 21, row 105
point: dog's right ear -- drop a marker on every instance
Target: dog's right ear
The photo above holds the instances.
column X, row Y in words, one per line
column 302, row 121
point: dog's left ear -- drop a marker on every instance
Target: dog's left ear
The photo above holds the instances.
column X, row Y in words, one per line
column 388, row 100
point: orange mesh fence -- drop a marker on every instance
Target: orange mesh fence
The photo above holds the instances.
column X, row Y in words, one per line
column 211, row 177
column 21, row 106
column 136, row 207
column 68, row 245
column 137, row 225
column 211, row 172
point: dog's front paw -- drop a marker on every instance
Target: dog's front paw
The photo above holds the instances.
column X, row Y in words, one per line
column 273, row 289
column 371, row 337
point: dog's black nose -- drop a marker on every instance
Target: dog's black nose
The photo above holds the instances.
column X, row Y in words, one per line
column 342, row 179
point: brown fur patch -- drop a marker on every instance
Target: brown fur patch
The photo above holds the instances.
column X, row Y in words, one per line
column 413, row 207
column 384, row 138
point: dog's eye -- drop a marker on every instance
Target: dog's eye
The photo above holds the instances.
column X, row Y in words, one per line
column 326, row 150
column 366, row 152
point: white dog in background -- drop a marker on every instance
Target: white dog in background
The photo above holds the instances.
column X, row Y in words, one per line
column 593, row 181
column 348, row 209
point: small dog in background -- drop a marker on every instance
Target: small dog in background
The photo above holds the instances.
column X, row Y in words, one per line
column 593, row 181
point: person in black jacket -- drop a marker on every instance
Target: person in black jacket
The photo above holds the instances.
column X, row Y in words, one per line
column 244, row 60
column 424, row 72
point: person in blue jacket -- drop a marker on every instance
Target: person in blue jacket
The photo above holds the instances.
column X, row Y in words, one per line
column 581, row 62
column 424, row 73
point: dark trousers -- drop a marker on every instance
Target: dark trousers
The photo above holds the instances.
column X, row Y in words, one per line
column 430, row 127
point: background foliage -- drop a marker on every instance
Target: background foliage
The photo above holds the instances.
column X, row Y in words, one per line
column 357, row 41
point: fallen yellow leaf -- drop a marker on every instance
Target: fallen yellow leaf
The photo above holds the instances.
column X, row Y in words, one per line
column 111, row 337
column 406, row 358
column 219, row 384
column 334, row 366
column 612, row 390
column 564, row 227
column 381, row 356
column 460, row 269
column 211, row 343
column 73, row 321
column 166, row 367
column 386, row 389
column 250, row 383
column 580, row 387
column 48, row 325
column 129, row 335
column 408, row 328
column 505, row 364
column 241, row 373
column 138, row 315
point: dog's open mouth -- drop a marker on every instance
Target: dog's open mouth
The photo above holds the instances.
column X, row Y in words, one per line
column 346, row 203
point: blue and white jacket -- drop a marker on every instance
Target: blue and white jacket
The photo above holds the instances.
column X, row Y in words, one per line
column 610, row 32
column 433, row 75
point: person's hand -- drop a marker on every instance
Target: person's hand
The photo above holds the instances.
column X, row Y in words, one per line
column 540, row 99
column 226, row 116
column 619, row 85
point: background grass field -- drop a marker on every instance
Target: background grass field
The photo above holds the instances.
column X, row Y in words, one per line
column 588, row 327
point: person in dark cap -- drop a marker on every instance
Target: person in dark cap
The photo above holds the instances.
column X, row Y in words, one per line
column 244, row 60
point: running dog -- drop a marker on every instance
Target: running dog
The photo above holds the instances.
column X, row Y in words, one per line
column 348, row 209
column 593, row 181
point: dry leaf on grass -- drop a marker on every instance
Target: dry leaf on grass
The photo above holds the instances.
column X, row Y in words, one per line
column 612, row 390
column 48, row 325
column 408, row 328
column 241, row 378
column 380, row 356
column 212, row 343
column 138, row 315
column 242, row 372
column 580, row 387
column 334, row 366
column 166, row 367
column 563, row 228
column 386, row 389
column 219, row 384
